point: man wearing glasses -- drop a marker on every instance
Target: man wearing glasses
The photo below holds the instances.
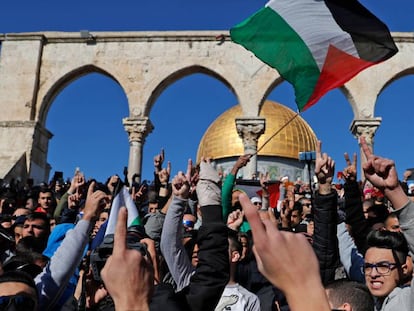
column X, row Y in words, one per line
column 386, row 269
column 385, row 265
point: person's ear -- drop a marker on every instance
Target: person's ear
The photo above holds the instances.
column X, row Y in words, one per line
column 235, row 256
column 406, row 268
column 344, row 307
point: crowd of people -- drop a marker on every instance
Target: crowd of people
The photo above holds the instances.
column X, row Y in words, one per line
column 197, row 241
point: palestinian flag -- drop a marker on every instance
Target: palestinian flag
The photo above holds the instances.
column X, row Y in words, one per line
column 315, row 45
column 123, row 198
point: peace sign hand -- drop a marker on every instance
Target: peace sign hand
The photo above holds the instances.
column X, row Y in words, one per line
column 324, row 166
column 350, row 171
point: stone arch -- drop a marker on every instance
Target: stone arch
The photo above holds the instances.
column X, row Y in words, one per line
column 63, row 81
column 272, row 86
column 35, row 66
column 401, row 74
column 182, row 73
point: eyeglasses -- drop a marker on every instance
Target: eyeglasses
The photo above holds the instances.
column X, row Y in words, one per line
column 19, row 302
column 257, row 203
column 382, row 267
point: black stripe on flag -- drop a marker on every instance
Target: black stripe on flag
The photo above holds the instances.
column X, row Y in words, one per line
column 371, row 36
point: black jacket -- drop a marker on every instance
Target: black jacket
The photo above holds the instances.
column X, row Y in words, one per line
column 212, row 272
column 325, row 241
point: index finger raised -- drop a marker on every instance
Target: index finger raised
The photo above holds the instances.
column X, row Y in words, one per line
column 90, row 188
column 347, row 160
column 367, row 151
column 318, row 148
column 120, row 231
column 250, row 211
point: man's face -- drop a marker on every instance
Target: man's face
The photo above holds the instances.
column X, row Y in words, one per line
column 102, row 218
column 45, row 200
column 152, row 208
column 295, row 218
column 30, row 204
column 380, row 285
column 18, row 233
column 392, row 224
column 35, row 227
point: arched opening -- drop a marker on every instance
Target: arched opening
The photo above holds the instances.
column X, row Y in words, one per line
column 330, row 119
column 393, row 139
column 181, row 115
column 86, row 121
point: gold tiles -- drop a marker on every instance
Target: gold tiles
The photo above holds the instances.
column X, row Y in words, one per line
column 221, row 139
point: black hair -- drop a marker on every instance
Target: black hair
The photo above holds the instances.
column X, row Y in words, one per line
column 18, row 276
column 31, row 244
column 394, row 241
column 43, row 216
column 298, row 207
column 354, row 293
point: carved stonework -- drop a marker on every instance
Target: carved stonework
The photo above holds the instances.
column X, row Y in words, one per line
column 366, row 128
column 137, row 128
column 249, row 130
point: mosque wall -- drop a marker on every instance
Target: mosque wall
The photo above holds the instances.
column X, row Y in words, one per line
column 35, row 67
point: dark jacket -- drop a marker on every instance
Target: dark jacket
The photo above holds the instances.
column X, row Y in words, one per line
column 325, row 242
column 211, row 274
column 355, row 215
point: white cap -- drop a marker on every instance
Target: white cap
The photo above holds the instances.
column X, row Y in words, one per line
column 256, row 200
column 284, row 178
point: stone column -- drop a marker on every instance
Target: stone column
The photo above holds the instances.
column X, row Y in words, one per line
column 367, row 129
column 249, row 130
column 137, row 129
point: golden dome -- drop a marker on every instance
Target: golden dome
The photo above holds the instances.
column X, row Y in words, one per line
column 221, row 139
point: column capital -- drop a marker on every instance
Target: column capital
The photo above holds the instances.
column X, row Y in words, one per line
column 137, row 128
column 366, row 128
column 249, row 130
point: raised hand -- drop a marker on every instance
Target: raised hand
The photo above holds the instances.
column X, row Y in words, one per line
column 181, row 186
column 158, row 161
column 241, row 161
column 136, row 195
column 164, row 174
column 74, row 200
column 264, row 179
column 95, row 201
column 128, row 275
column 350, row 171
column 76, row 183
column 381, row 173
column 324, row 166
column 282, row 256
column 235, row 219
column 113, row 181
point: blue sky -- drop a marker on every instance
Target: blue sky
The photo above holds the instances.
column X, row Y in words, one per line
column 97, row 143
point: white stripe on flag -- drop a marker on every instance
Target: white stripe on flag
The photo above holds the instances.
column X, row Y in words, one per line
column 313, row 22
column 123, row 198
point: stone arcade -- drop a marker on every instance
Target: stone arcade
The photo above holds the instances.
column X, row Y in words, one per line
column 35, row 67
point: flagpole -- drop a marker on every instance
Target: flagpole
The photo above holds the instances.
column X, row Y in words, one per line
column 277, row 132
